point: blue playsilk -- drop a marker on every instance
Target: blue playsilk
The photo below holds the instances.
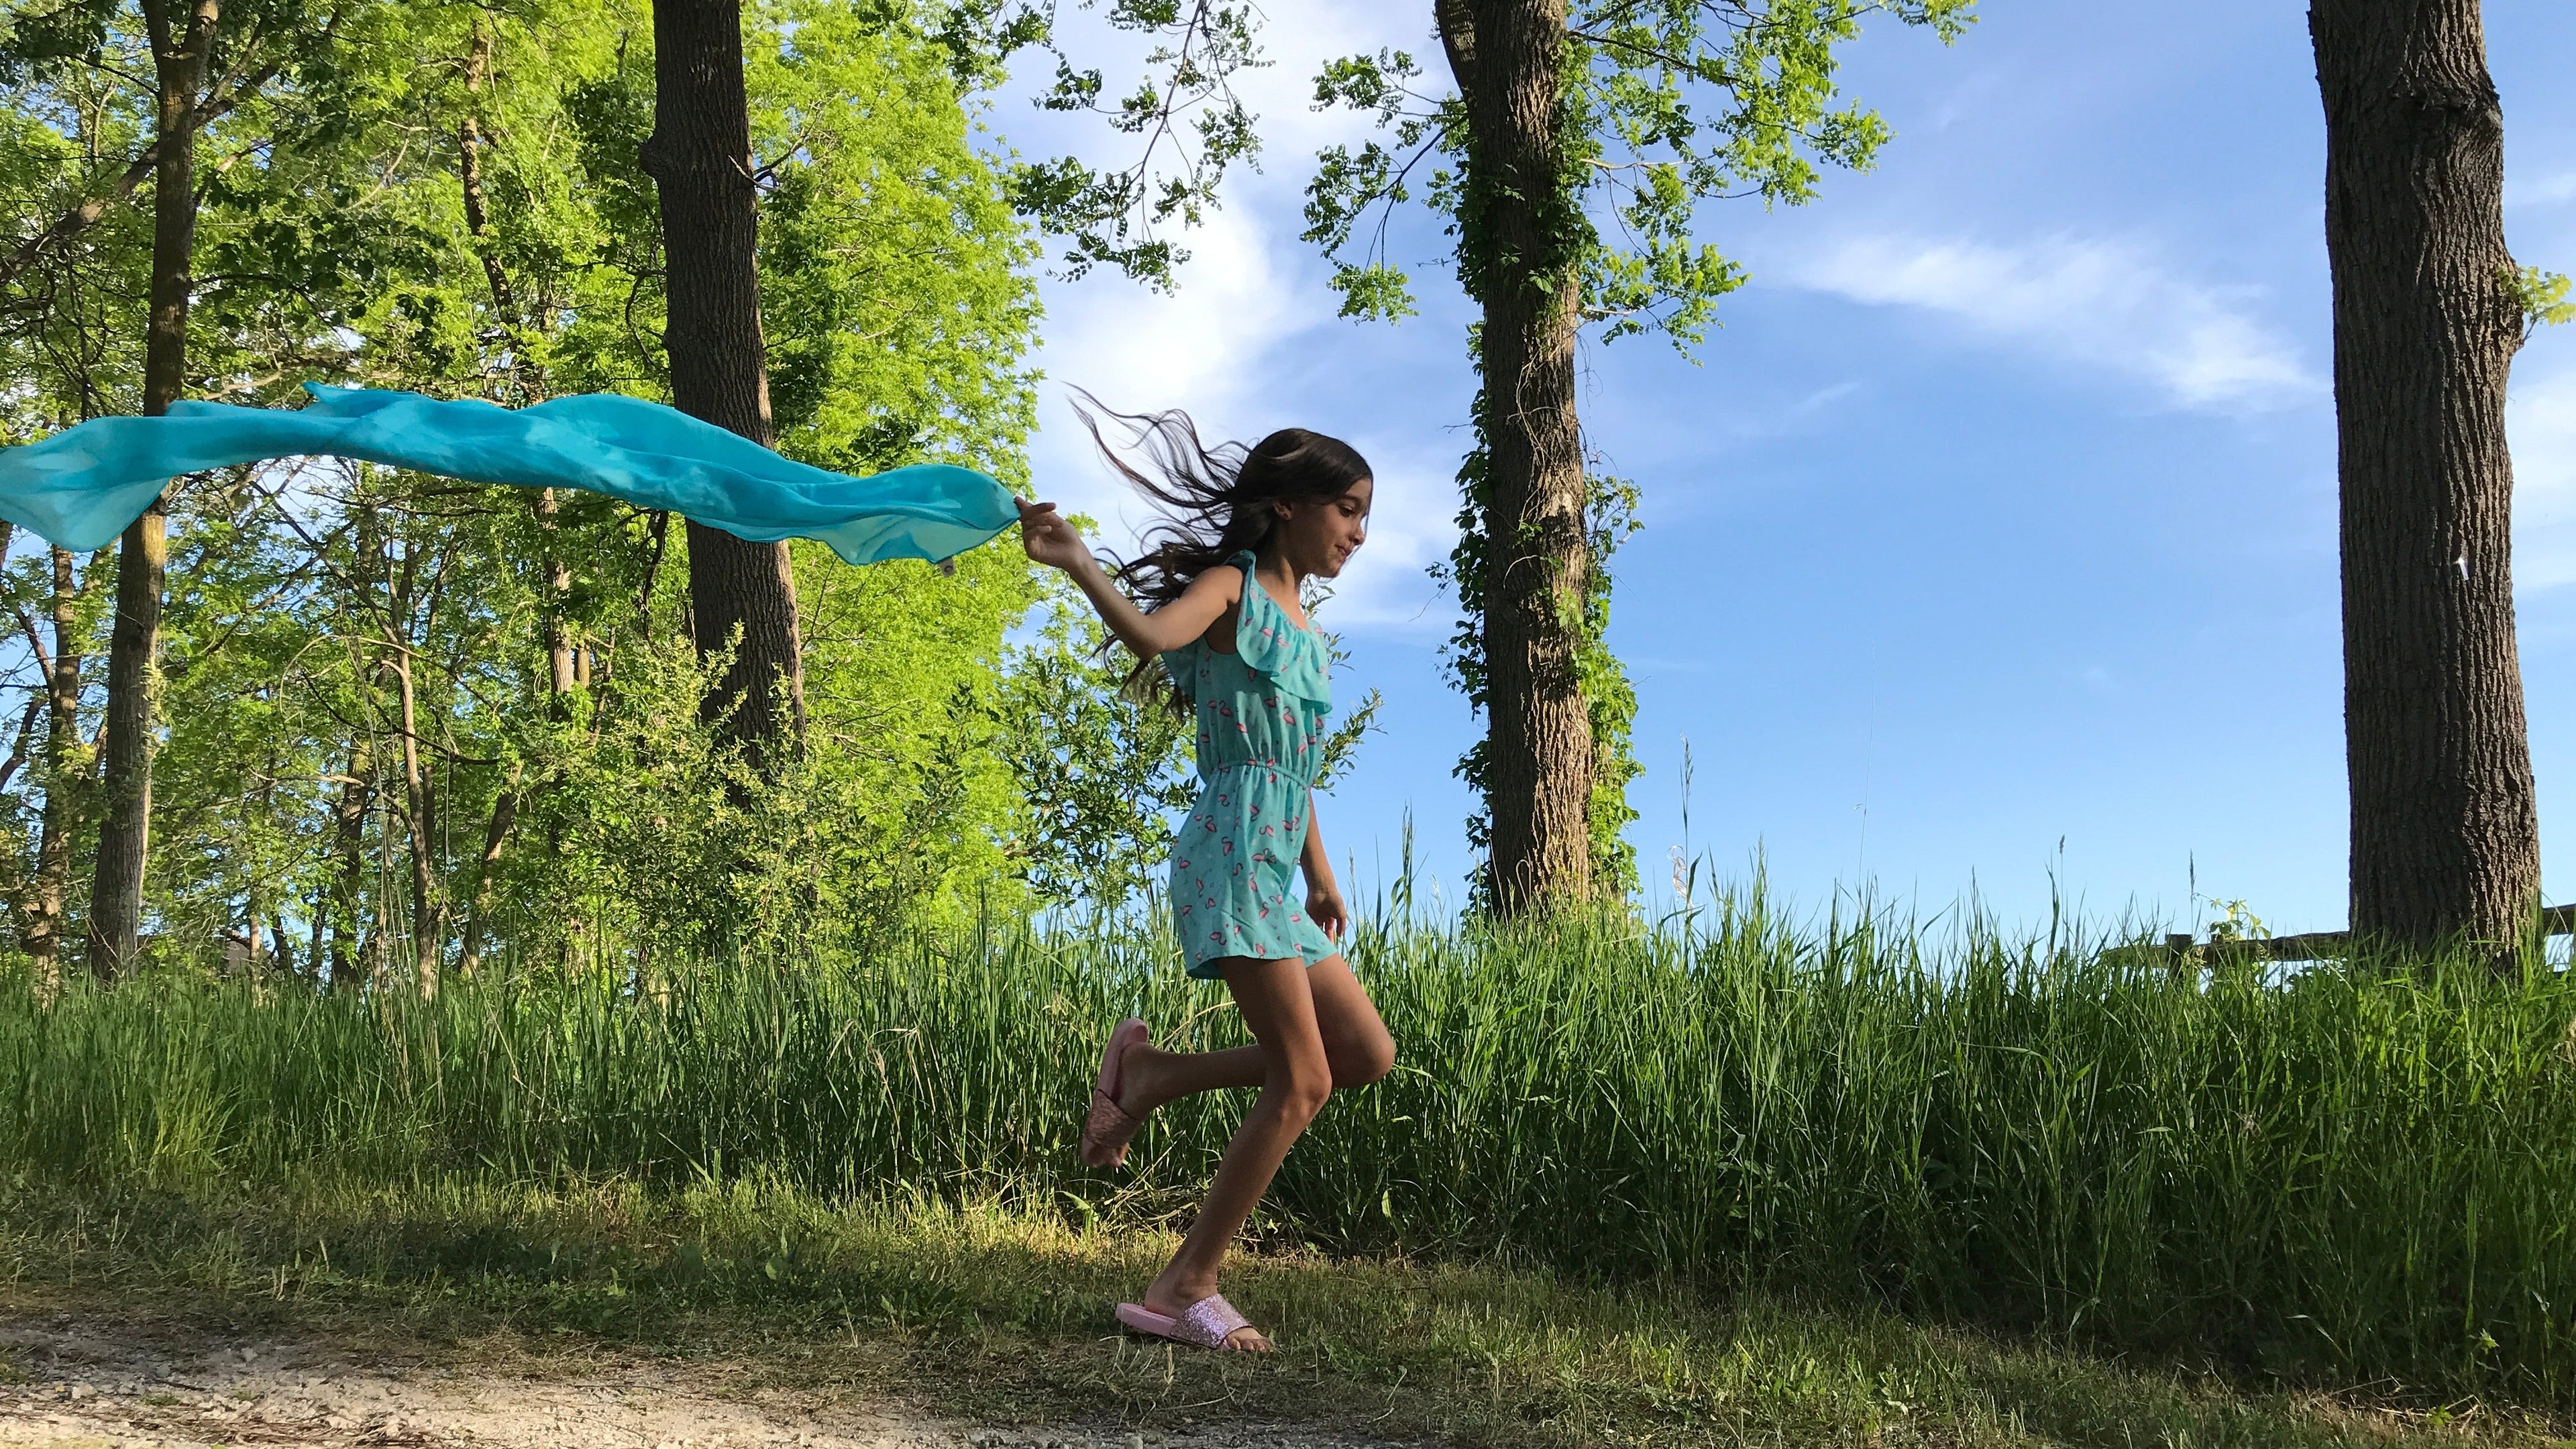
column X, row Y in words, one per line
column 81, row 487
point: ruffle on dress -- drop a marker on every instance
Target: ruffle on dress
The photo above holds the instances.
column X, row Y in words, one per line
column 1267, row 642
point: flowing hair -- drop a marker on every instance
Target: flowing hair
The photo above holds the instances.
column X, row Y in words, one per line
column 1214, row 502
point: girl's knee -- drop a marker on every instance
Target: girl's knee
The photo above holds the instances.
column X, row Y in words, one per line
column 1302, row 1097
column 1360, row 1063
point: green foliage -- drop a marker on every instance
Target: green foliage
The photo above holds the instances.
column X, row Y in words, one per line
column 2357, row 1174
column 1665, row 104
column 893, row 287
column 1105, row 769
column 2541, row 297
column 1184, row 107
column 1661, row 105
column 600, row 824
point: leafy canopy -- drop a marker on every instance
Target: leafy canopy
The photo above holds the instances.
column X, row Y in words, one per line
column 1665, row 104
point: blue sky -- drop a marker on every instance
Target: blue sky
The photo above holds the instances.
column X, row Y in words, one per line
column 1989, row 544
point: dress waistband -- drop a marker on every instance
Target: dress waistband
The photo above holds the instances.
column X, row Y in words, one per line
column 1299, row 773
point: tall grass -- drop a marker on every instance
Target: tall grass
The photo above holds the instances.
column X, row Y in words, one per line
column 2355, row 1176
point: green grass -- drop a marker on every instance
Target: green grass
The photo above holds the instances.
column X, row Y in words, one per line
column 1000, row 1318
column 2359, row 1178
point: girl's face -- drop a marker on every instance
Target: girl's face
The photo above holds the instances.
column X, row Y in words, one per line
column 1318, row 535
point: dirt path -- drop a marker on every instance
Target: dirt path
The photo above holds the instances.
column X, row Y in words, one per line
column 86, row 1383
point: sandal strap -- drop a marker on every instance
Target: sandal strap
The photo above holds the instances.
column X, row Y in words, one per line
column 1209, row 1322
column 1109, row 1125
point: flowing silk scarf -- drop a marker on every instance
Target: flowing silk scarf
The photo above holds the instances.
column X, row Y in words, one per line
column 81, row 487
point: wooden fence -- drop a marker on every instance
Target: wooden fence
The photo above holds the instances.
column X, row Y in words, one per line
column 2316, row 945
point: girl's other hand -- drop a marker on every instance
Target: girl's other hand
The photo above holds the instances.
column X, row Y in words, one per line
column 1324, row 907
column 1049, row 538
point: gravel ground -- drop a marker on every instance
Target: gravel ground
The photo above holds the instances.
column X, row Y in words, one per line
column 87, row 1383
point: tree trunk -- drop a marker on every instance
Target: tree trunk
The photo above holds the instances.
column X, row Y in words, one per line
column 699, row 156
column 2445, row 837
column 505, row 809
column 469, row 166
column 181, row 40
column 349, row 844
column 420, row 799
column 64, row 774
column 1517, row 251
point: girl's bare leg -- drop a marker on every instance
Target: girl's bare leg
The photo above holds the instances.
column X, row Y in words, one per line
column 1356, row 1046
column 1279, row 1007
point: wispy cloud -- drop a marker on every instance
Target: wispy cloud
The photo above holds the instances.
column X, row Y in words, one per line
column 2556, row 189
column 2540, row 417
column 2107, row 304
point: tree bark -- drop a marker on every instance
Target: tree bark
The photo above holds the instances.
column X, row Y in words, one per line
column 2445, row 835
column 469, row 166
column 64, row 774
column 742, row 594
column 181, row 40
column 349, row 844
column 1518, row 261
column 420, row 819
column 420, row 799
column 478, row 910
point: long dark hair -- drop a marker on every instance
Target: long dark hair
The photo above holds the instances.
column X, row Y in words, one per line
column 1215, row 502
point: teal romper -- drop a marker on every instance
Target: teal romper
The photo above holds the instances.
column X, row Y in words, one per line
column 1261, row 716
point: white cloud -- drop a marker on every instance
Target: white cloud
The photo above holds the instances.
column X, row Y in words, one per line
column 2540, row 418
column 2102, row 303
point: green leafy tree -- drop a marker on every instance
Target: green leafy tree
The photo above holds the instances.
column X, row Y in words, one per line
column 1569, row 163
column 415, row 726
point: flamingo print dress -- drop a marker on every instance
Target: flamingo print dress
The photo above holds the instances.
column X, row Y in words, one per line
column 1261, row 712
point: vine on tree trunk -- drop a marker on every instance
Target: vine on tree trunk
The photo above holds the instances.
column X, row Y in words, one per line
column 1609, row 698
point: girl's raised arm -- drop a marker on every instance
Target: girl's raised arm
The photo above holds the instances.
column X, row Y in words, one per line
column 1051, row 540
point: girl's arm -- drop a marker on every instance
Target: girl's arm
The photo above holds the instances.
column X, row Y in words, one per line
column 1323, row 896
column 1051, row 540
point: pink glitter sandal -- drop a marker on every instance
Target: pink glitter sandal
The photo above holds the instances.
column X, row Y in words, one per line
column 1209, row 1323
column 1108, row 1129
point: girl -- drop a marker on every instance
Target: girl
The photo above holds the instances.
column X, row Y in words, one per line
column 1219, row 597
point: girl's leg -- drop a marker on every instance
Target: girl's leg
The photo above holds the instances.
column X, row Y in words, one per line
column 1279, row 1007
column 1356, row 1046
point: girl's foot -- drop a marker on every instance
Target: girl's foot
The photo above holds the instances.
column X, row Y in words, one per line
column 1211, row 1322
column 1176, row 1301
column 1109, row 1127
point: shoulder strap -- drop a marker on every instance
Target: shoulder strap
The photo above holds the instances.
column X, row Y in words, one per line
column 1270, row 645
column 1248, row 562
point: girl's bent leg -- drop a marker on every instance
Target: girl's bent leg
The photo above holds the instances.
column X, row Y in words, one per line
column 1279, row 1007
column 1356, row 1044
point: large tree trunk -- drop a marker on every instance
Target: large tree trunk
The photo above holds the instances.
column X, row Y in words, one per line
column 699, row 156
column 1518, row 256
column 702, row 161
column 65, row 773
column 181, row 37
column 2445, row 837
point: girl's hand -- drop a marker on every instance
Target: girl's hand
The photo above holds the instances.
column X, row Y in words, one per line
column 1324, row 907
column 1048, row 538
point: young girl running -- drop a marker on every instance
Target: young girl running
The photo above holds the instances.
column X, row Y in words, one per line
column 1217, row 599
